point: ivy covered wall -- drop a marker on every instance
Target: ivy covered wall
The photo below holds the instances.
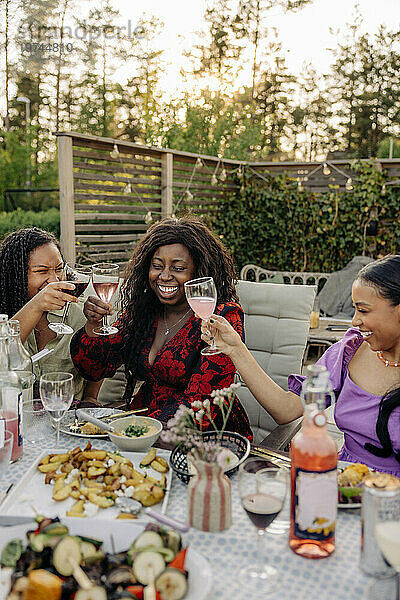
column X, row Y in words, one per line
column 274, row 224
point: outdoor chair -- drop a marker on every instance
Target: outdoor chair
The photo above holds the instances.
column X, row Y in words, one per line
column 277, row 319
column 262, row 275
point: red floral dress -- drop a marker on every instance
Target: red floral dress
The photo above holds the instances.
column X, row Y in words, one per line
column 179, row 374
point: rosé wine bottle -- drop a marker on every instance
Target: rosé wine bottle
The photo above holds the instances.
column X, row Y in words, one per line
column 313, row 473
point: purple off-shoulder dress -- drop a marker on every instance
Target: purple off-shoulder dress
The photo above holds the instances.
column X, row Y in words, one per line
column 356, row 410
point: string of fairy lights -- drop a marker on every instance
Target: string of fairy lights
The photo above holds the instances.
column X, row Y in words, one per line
column 219, row 175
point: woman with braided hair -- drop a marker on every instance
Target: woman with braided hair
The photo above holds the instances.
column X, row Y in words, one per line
column 32, row 291
column 159, row 337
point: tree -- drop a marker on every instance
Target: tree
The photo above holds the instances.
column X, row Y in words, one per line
column 249, row 24
column 219, row 58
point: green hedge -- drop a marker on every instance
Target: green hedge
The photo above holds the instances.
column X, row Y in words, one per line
column 274, row 224
column 17, row 219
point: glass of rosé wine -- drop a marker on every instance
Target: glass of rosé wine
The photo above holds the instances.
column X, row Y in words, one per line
column 201, row 295
column 262, row 490
column 105, row 282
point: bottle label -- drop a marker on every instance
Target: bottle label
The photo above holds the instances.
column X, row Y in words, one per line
column 315, row 504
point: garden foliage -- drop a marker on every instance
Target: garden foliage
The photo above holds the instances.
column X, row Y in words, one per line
column 275, row 225
column 18, row 219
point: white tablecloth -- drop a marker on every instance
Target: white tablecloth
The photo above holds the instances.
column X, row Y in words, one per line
column 337, row 577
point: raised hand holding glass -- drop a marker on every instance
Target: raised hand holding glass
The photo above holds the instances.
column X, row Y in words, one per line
column 80, row 277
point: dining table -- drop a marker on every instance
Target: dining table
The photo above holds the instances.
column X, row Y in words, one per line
column 336, row 577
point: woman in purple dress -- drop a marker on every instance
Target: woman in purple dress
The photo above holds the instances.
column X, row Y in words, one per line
column 364, row 370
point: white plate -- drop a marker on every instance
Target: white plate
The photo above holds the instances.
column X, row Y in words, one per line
column 31, row 491
column 342, row 464
column 69, row 418
column 200, row 577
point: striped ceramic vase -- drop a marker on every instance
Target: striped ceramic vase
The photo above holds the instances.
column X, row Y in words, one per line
column 209, row 498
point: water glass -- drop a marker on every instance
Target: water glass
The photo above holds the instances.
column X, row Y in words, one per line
column 36, row 422
column 57, row 392
column 27, row 379
column 5, row 452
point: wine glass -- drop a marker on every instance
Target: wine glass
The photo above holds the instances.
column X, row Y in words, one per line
column 386, row 517
column 80, row 276
column 57, row 392
column 105, row 282
column 262, row 493
column 201, row 295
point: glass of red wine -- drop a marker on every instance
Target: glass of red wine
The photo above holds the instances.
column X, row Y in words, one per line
column 201, row 295
column 105, row 282
column 80, row 277
column 262, row 493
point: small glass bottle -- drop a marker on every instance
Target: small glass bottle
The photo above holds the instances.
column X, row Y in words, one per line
column 20, row 359
column 313, row 473
column 10, row 393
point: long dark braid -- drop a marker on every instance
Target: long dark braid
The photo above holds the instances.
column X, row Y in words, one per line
column 15, row 251
column 140, row 305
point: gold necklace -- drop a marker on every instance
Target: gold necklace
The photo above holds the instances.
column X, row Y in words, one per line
column 168, row 329
column 388, row 363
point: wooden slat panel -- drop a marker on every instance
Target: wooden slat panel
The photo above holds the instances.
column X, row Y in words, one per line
column 110, row 208
column 111, row 255
column 106, row 238
column 127, row 246
column 111, row 227
column 110, row 197
column 107, row 216
column 194, row 186
column 126, row 160
column 112, row 188
column 120, row 179
column 113, row 169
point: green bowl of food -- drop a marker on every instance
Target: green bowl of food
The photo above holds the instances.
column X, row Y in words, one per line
column 135, row 433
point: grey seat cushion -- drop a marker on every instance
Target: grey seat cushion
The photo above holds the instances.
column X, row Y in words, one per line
column 277, row 320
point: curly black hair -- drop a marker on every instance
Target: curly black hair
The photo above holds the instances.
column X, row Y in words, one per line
column 15, row 251
column 210, row 258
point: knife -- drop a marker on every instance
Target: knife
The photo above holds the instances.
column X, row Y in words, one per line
column 11, row 520
column 269, row 453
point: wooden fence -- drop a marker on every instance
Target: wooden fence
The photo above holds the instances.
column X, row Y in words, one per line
column 111, row 190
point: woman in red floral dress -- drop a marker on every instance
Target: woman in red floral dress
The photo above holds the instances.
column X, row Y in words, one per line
column 159, row 337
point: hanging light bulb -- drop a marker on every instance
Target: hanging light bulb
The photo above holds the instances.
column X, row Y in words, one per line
column 173, row 216
column 199, row 163
column 349, row 184
column 188, row 195
column 240, row 173
column 299, row 185
column 326, row 170
column 214, row 180
column 222, row 177
column 383, row 190
column 114, row 152
column 148, row 218
column 128, row 189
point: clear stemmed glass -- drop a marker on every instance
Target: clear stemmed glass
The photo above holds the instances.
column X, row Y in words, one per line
column 262, row 493
column 201, row 295
column 105, row 282
column 386, row 517
column 57, row 392
column 80, row 276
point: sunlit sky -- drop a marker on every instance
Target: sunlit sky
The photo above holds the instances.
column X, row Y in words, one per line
column 305, row 35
